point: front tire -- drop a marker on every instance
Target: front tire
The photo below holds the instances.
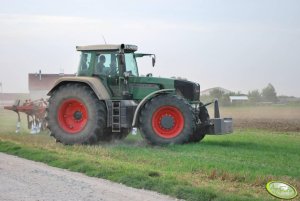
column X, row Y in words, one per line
column 167, row 119
column 76, row 115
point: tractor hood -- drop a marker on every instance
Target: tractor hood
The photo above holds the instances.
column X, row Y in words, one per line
column 163, row 83
column 189, row 90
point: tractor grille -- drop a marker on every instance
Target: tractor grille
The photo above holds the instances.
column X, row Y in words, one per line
column 189, row 90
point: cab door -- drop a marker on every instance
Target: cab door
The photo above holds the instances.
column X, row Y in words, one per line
column 107, row 67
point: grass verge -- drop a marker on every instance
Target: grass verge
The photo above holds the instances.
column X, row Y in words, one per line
column 232, row 167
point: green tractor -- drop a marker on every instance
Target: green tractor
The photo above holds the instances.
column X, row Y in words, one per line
column 107, row 99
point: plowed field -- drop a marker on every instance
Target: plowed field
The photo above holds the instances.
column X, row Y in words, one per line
column 273, row 118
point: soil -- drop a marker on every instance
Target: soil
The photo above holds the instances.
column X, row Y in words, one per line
column 279, row 125
column 272, row 118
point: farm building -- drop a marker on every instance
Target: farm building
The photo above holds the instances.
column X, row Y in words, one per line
column 238, row 99
column 207, row 92
column 40, row 84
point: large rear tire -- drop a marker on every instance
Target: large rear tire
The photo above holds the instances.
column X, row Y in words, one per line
column 167, row 119
column 76, row 115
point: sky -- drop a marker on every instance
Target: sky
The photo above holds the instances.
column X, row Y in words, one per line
column 240, row 45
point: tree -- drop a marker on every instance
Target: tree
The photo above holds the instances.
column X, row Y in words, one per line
column 254, row 96
column 269, row 94
column 221, row 96
column 216, row 93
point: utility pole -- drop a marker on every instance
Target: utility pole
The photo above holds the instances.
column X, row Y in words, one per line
column 1, row 87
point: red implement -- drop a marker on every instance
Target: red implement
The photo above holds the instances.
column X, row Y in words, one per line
column 35, row 111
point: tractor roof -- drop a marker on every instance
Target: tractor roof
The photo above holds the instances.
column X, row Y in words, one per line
column 127, row 48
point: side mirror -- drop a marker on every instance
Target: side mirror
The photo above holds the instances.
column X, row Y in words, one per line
column 153, row 60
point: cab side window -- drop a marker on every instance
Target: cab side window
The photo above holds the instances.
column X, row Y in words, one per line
column 107, row 64
column 85, row 61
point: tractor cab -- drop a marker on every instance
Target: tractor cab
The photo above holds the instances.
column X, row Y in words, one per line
column 107, row 60
column 115, row 65
column 109, row 63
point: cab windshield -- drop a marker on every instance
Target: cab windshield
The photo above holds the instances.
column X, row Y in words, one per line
column 131, row 65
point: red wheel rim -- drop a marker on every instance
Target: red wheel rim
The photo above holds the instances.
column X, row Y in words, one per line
column 174, row 118
column 72, row 116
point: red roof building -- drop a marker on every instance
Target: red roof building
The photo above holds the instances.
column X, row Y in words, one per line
column 40, row 84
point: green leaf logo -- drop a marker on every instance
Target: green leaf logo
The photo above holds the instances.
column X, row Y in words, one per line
column 281, row 190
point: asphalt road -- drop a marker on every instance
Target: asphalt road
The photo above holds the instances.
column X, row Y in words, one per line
column 24, row 180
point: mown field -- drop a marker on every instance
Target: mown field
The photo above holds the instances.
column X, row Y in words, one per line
column 229, row 167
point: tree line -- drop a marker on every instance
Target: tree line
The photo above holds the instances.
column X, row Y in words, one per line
column 266, row 95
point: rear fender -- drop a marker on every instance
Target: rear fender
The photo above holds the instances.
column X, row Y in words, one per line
column 94, row 83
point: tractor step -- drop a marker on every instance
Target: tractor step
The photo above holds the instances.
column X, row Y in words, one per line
column 116, row 116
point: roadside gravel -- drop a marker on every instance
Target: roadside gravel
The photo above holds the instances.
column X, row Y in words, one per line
column 26, row 180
